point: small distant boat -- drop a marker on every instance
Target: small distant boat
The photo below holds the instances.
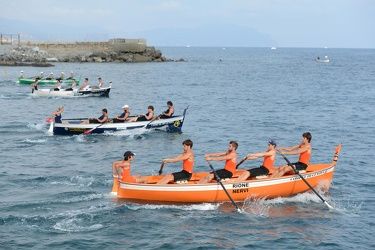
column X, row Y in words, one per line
column 324, row 60
column 98, row 92
column 273, row 47
column 45, row 81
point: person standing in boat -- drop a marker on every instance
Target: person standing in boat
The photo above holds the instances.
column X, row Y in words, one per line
column 123, row 169
column 102, row 119
column 230, row 157
column 145, row 117
column 86, row 86
column 304, row 150
column 187, row 158
column 21, row 75
column 56, row 116
column 123, row 116
column 269, row 159
column 169, row 112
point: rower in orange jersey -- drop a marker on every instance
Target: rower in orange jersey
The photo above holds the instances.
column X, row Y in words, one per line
column 187, row 158
column 304, row 149
column 230, row 157
column 123, row 169
column 269, row 159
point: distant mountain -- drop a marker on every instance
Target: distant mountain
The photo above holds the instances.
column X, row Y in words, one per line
column 216, row 34
column 211, row 34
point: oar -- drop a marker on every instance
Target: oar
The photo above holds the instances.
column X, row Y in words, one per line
column 161, row 168
column 243, row 160
column 90, row 130
column 219, row 180
column 145, row 126
column 308, row 184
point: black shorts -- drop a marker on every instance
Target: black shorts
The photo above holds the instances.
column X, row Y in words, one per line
column 141, row 119
column 164, row 117
column 93, row 121
column 181, row 176
column 300, row 165
column 223, row 174
column 262, row 170
column 117, row 121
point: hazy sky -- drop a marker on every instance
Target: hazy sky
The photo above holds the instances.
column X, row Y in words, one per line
column 291, row 23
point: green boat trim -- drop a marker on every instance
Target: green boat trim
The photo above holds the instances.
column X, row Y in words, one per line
column 44, row 81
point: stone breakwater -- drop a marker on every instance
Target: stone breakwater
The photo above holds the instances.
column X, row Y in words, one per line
column 115, row 50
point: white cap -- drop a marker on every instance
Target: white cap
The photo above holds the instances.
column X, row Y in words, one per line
column 51, row 73
column 62, row 72
column 22, row 71
column 71, row 72
column 41, row 72
column 125, row 106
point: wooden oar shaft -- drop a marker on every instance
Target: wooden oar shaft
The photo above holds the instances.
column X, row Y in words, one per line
column 161, row 168
column 225, row 190
column 89, row 131
column 243, row 160
column 308, row 184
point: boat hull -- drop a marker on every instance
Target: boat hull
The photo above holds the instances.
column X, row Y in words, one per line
column 317, row 175
column 42, row 82
column 74, row 127
column 213, row 192
column 102, row 92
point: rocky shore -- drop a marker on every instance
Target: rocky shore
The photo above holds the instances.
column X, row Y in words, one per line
column 45, row 54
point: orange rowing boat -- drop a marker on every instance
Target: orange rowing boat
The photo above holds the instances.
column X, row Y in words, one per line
column 190, row 192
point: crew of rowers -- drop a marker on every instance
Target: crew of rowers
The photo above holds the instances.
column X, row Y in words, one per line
column 58, row 86
column 124, row 117
column 50, row 77
column 122, row 168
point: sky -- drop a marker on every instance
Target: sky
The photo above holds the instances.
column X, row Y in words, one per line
column 281, row 23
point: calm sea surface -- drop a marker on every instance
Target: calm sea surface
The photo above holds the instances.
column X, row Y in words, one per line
column 55, row 190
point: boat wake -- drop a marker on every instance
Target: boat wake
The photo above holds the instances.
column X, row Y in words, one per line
column 286, row 206
column 189, row 207
column 39, row 126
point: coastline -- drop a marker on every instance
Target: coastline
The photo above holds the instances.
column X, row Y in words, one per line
column 43, row 54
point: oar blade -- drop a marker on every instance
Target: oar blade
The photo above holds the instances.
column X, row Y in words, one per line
column 87, row 132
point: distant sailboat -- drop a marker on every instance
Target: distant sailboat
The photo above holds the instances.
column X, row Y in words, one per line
column 273, row 47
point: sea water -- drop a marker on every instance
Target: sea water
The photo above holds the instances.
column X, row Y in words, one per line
column 55, row 190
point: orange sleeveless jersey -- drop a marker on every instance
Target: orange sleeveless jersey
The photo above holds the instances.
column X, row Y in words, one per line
column 268, row 162
column 304, row 157
column 230, row 166
column 126, row 176
column 188, row 165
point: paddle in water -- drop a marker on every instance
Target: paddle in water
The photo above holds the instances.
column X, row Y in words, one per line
column 308, row 184
column 225, row 190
